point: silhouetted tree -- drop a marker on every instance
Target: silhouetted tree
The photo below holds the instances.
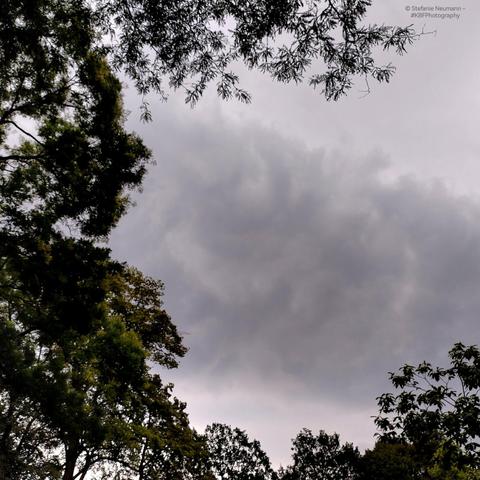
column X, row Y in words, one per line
column 321, row 456
column 389, row 461
column 190, row 43
column 437, row 411
column 233, row 456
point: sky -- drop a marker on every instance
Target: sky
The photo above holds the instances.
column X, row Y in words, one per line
column 310, row 247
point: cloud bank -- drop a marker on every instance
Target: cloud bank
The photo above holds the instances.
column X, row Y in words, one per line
column 298, row 277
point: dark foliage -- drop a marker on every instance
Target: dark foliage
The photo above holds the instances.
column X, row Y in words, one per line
column 437, row 410
column 79, row 331
column 232, row 455
column 321, row 456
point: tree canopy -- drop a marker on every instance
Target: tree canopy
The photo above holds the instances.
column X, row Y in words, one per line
column 82, row 336
column 189, row 43
column 83, row 399
column 437, row 411
column 321, row 456
column 233, row 455
column 389, row 461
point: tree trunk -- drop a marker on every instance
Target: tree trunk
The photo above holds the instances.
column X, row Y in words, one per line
column 5, row 451
column 71, row 456
column 3, row 466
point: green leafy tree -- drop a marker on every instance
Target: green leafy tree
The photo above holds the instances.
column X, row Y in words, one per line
column 402, row 461
column 75, row 385
column 91, row 400
column 389, row 461
column 61, row 189
column 448, row 464
column 78, row 331
column 321, row 456
column 437, row 411
column 233, row 456
column 27, row 445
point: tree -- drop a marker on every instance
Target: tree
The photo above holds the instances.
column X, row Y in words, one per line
column 437, row 411
column 185, row 43
column 24, row 442
column 321, row 456
column 76, row 343
column 389, row 461
column 91, row 401
column 448, row 464
column 75, row 386
column 62, row 187
column 401, row 461
column 233, row 456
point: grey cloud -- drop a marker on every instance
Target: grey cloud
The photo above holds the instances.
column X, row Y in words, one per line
column 299, row 274
column 304, row 260
column 300, row 277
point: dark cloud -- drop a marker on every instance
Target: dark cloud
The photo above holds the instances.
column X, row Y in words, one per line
column 299, row 278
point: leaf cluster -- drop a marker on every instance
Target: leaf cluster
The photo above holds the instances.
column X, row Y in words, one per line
column 436, row 407
column 79, row 332
column 321, row 456
column 189, row 43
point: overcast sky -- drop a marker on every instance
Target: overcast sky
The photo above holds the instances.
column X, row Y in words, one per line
column 307, row 247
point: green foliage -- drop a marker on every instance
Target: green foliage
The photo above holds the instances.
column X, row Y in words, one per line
column 80, row 332
column 185, row 44
column 91, row 394
column 138, row 299
column 389, row 461
column 447, row 464
column 437, row 410
column 23, row 441
column 233, row 456
column 321, row 456
column 75, row 386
